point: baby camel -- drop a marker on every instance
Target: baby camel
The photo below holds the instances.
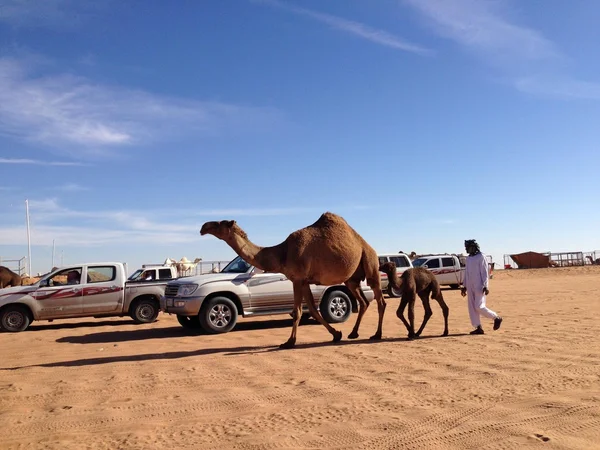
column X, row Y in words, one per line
column 416, row 281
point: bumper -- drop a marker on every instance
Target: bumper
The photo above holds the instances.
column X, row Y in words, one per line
column 369, row 294
column 182, row 306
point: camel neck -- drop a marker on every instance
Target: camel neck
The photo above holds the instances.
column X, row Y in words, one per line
column 246, row 249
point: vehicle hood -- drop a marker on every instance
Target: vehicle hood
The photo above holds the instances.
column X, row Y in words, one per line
column 208, row 278
column 16, row 290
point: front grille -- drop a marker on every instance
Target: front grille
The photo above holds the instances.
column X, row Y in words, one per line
column 171, row 291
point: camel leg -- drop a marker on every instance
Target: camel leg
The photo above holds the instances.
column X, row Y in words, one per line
column 310, row 302
column 427, row 307
column 445, row 310
column 297, row 313
column 380, row 309
column 354, row 287
column 408, row 299
column 411, row 316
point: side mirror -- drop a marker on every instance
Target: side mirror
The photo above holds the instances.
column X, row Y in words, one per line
column 45, row 283
column 425, row 266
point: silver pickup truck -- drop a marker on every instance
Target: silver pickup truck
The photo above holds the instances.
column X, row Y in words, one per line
column 213, row 302
column 82, row 290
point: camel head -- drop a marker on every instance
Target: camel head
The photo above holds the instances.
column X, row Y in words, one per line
column 224, row 229
column 388, row 268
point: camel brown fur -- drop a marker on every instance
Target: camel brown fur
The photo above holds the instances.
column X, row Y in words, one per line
column 328, row 252
column 416, row 281
column 9, row 278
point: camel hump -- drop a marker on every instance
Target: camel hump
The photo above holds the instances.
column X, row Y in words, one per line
column 328, row 218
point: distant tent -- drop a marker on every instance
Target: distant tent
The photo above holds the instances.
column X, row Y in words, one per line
column 531, row 260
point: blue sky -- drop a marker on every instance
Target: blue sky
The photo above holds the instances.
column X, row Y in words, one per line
column 423, row 122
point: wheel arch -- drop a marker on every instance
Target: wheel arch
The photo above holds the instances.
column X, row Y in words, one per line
column 231, row 296
column 345, row 290
column 25, row 306
column 141, row 297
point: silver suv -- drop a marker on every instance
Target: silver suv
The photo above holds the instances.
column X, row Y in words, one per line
column 214, row 302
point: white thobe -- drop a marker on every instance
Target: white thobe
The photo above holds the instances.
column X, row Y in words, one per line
column 475, row 280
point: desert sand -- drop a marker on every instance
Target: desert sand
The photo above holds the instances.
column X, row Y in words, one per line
column 107, row 383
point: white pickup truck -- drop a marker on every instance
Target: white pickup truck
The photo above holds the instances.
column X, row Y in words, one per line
column 448, row 269
column 81, row 290
column 213, row 302
column 152, row 272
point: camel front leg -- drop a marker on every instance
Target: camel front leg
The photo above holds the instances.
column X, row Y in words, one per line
column 297, row 313
column 356, row 291
column 407, row 298
column 381, row 310
column 310, row 302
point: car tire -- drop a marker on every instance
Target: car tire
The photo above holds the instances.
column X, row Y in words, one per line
column 145, row 310
column 14, row 318
column 454, row 286
column 336, row 307
column 393, row 292
column 218, row 315
column 189, row 322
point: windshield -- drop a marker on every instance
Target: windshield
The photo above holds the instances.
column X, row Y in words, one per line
column 238, row 265
column 135, row 274
column 419, row 262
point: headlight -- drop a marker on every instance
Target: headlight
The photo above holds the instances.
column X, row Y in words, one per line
column 186, row 289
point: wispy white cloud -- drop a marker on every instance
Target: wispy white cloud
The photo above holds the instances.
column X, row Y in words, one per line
column 530, row 61
column 484, row 27
column 72, row 187
column 48, row 13
column 358, row 29
column 38, row 162
column 560, row 88
column 73, row 115
column 51, row 220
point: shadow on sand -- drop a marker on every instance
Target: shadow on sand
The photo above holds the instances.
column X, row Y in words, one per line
column 171, row 332
column 230, row 351
column 65, row 326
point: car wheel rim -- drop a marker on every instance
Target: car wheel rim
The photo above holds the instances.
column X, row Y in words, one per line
column 146, row 312
column 220, row 316
column 14, row 320
column 396, row 292
column 338, row 307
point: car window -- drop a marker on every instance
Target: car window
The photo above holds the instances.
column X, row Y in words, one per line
column 164, row 274
column 419, row 262
column 382, row 260
column 447, row 262
column 433, row 263
column 135, row 274
column 101, row 274
column 238, row 265
column 401, row 261
column 66, row 277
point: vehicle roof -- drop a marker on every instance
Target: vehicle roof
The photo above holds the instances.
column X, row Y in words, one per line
column 100, row 263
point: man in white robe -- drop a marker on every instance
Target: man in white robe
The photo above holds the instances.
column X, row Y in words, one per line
column 475, row 285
